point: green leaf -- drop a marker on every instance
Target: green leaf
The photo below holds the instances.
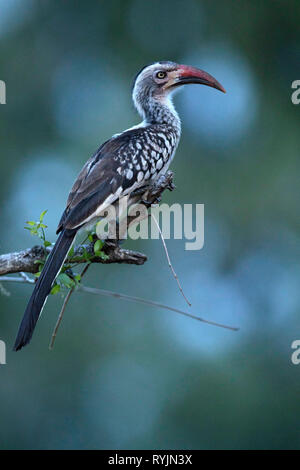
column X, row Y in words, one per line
column 43, row 215
column 71, row 252
column 55, row 289
column 97, row 247
column 37, row 229
column 65, row 280
column 103, row 256
column 86, row 255
column 38, row 261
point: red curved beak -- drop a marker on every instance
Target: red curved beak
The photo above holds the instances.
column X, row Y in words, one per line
column 187, row 74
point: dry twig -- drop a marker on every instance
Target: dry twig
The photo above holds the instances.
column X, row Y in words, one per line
column 129, row 298
column 169, row 261
column 60, row 316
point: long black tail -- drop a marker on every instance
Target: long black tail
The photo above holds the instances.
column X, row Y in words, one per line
column 42, row 288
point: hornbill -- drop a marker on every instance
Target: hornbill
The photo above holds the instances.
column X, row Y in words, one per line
column 128, row 161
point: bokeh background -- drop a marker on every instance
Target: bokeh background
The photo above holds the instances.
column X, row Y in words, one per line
column 129, row 376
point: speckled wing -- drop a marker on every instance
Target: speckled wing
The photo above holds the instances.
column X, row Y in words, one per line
column 113, row 171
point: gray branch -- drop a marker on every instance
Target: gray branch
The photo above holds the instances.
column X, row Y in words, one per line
column 28, row 260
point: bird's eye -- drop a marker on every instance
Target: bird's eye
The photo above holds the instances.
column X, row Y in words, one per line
column 161, row 74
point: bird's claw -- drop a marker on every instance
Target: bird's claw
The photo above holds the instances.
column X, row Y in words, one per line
column 151, row 203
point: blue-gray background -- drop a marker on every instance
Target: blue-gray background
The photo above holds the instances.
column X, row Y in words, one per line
column 129, row 376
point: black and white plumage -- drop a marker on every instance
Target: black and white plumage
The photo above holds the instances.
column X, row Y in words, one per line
column 128, row 161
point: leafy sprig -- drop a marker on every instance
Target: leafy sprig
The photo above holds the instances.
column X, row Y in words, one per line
column 38, row 229
column 66, row 278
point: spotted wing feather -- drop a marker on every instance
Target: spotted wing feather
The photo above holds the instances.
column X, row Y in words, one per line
column 119, row 163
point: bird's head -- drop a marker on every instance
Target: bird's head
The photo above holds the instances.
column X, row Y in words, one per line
column 157, row 81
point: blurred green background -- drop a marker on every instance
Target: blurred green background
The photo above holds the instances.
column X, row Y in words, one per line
column 124, row 375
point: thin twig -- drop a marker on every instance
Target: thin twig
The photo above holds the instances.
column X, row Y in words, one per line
column 129, row 298
column 61, row 314
column 169, row 261
column 16, row 279
column 24, row 276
